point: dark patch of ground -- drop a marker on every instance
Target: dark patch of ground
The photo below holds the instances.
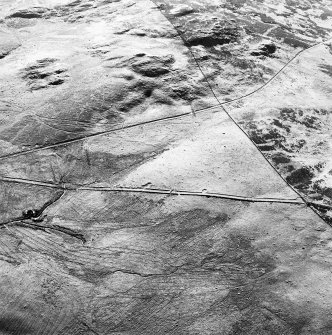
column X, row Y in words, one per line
column 265, row 50
column 218, row 34
column 44, row 73
column 32, row 13
column 326, row 69
column 15, row 325
column 280, row 142
column 153, row 66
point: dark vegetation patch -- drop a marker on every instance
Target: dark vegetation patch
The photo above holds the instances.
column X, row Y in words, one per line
column 279, row 139
column 32, row 13
column 153, row 66
column 263, row 136
column 206, row 31
column 218, row 34
column 15, row 325
column 267, row 49
column 44, row 73
column 148, row 92
column 297, row 116
column 280, row 158
column 301, row 178
column 56, row 82
column 277, row 134
column 266, row 19
column 326, row 69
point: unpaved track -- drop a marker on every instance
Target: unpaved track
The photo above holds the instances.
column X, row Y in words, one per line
column 65, row 187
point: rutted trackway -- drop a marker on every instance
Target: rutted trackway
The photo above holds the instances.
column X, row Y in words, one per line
column 166, row 118
column 170, row 192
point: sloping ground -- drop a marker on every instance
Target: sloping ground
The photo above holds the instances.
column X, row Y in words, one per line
column 88, row 76
column 130, row 203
